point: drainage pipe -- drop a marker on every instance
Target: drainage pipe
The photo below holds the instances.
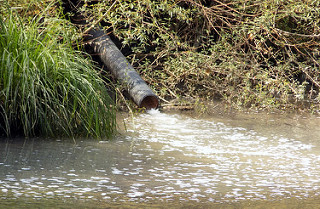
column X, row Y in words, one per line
column 117, row 63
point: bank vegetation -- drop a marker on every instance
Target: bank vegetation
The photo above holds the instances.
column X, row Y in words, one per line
column 247, row 53
column 256, row 54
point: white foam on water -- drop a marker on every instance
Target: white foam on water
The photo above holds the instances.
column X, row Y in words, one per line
column 230, row 156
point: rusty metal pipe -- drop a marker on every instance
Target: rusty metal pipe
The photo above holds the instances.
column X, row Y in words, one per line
column 117, row 63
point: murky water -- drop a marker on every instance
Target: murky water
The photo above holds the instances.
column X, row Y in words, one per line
column 170, row 160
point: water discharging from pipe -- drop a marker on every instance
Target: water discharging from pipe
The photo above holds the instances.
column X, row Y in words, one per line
column 170, row 158
column 209, row 159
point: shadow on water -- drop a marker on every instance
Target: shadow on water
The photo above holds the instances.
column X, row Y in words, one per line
column 167, row 160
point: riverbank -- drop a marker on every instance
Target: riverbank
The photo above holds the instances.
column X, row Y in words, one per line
column 248, row 55
column 245, row 55
column 265, row 58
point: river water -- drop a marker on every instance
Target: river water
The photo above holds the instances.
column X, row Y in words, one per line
column 170, row 160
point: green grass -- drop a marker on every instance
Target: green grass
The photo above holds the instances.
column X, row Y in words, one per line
column 46, row 87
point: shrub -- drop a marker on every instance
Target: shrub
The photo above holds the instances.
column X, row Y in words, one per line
column 248, row 53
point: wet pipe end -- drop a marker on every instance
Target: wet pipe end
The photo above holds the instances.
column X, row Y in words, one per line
column 149, row 102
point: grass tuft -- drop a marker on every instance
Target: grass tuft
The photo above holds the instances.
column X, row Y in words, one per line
column 46, row 87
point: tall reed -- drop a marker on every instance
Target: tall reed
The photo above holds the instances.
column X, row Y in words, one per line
column 46, row 87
